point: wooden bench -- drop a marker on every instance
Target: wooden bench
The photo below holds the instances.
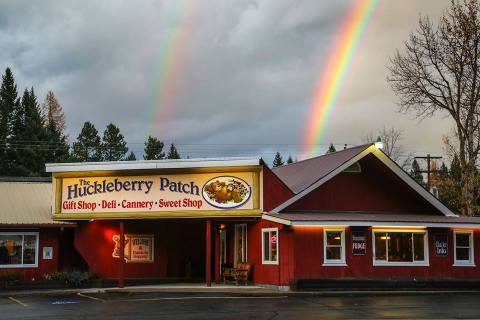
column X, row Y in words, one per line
column 240, row 273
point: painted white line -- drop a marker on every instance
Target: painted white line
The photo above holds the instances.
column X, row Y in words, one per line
column 89, row 297
column 198, row 298
column 18, row 301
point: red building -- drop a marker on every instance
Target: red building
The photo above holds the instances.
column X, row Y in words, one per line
column 352, row 214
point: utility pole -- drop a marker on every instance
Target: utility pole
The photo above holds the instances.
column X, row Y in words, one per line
column 428, row 171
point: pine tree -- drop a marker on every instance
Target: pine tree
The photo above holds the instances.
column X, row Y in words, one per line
column 58, row 145
column 416, row 174
column 278, row 161
column 131, row 157
column 8, row 107
column 289, row 160
column 87, row 147
column 173, row 153
column 331, row 148
column 52, row 112
column 114, row 147
column 153, row 149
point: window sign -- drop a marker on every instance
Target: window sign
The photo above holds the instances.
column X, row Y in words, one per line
column 359, row 243
column 270, row 246
column 441, row 245
column 47, row 253
column 138, row 248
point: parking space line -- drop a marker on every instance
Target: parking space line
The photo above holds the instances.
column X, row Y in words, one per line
column 89, row 297
column 18, row 301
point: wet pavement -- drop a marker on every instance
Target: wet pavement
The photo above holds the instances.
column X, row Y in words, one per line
column 155, row 305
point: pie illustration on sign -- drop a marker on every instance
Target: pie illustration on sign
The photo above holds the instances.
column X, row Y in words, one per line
column 226, row 192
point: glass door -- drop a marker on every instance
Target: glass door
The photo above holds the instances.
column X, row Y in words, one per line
column 240, row 243
column 223, row 249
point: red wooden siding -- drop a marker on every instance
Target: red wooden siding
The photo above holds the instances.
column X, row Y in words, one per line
column 375, row 189
column 275, row 192
column 309, row 259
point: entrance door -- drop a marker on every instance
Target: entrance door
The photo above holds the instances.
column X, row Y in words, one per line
column 240, row 243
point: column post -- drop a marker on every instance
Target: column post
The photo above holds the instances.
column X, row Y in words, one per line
column 208, row 253
column 121, row 266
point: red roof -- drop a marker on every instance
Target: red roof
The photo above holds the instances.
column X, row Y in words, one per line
column 300, row 175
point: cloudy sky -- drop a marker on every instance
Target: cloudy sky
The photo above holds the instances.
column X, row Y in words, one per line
column 216, row 77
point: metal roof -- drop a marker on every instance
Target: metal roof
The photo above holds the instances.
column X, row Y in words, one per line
column 300, row 175
column 154, row 164
column 389, row 219
column 26, row 203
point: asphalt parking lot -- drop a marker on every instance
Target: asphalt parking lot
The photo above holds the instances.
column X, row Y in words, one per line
column 222, row 306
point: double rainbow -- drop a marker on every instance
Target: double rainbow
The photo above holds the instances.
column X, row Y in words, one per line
column 336, row 68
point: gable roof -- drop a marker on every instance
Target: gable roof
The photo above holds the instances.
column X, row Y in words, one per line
column 26, row 203
column 305, row 176
column 302, row 174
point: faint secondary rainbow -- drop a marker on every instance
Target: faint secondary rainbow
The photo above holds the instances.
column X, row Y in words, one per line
column 335, row 70
column 168, row 68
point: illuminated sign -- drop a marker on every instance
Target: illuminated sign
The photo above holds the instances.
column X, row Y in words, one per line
column 138, row 248
column 156, row 193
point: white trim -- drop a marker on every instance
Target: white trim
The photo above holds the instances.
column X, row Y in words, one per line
column 37, row 245
column 332, row 262
column 153, row 164
column 236, row 227
column 382, row 224
column 389, row 163
column 463, row 263
column 426, row 251
column 274, row 262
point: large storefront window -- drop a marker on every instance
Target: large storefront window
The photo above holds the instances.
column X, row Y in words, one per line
column 463, row 243
column 18, row 249
column 400, row 248
column 334, row 247
column 270, row 246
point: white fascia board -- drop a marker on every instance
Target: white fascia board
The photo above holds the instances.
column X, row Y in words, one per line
column 324, row 179
column 413, row 184
column 383, row 224
column 277, row 220
column 153, row 164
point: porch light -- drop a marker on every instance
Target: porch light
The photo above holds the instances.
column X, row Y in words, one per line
column 379, row 143
column 222, row 226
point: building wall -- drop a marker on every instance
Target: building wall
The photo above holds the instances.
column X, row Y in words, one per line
column 309, row 258
column 175, row 245
column 275, row 192
column 375, row 189
column 47, row 238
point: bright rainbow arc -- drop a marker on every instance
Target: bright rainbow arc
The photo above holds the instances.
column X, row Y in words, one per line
column 168, row 70
column 336, row 68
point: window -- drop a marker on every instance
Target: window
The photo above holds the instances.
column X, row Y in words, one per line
column 334, row 247
column 463, row 245
column 400, row 248
column 354, row 168
column 270, row 246
column 18, row 249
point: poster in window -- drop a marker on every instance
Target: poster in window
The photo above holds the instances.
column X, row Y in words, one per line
column 441, row 245
column 359, row 242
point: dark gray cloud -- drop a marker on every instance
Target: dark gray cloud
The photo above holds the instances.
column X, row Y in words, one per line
column 247, row 69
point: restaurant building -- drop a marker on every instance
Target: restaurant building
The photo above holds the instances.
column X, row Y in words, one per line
column 352, row 214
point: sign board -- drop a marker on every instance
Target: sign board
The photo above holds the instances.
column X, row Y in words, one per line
column 359, row 242
column 441, row 244
column 47, row 253
column 138, row 248
column 89, row 196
